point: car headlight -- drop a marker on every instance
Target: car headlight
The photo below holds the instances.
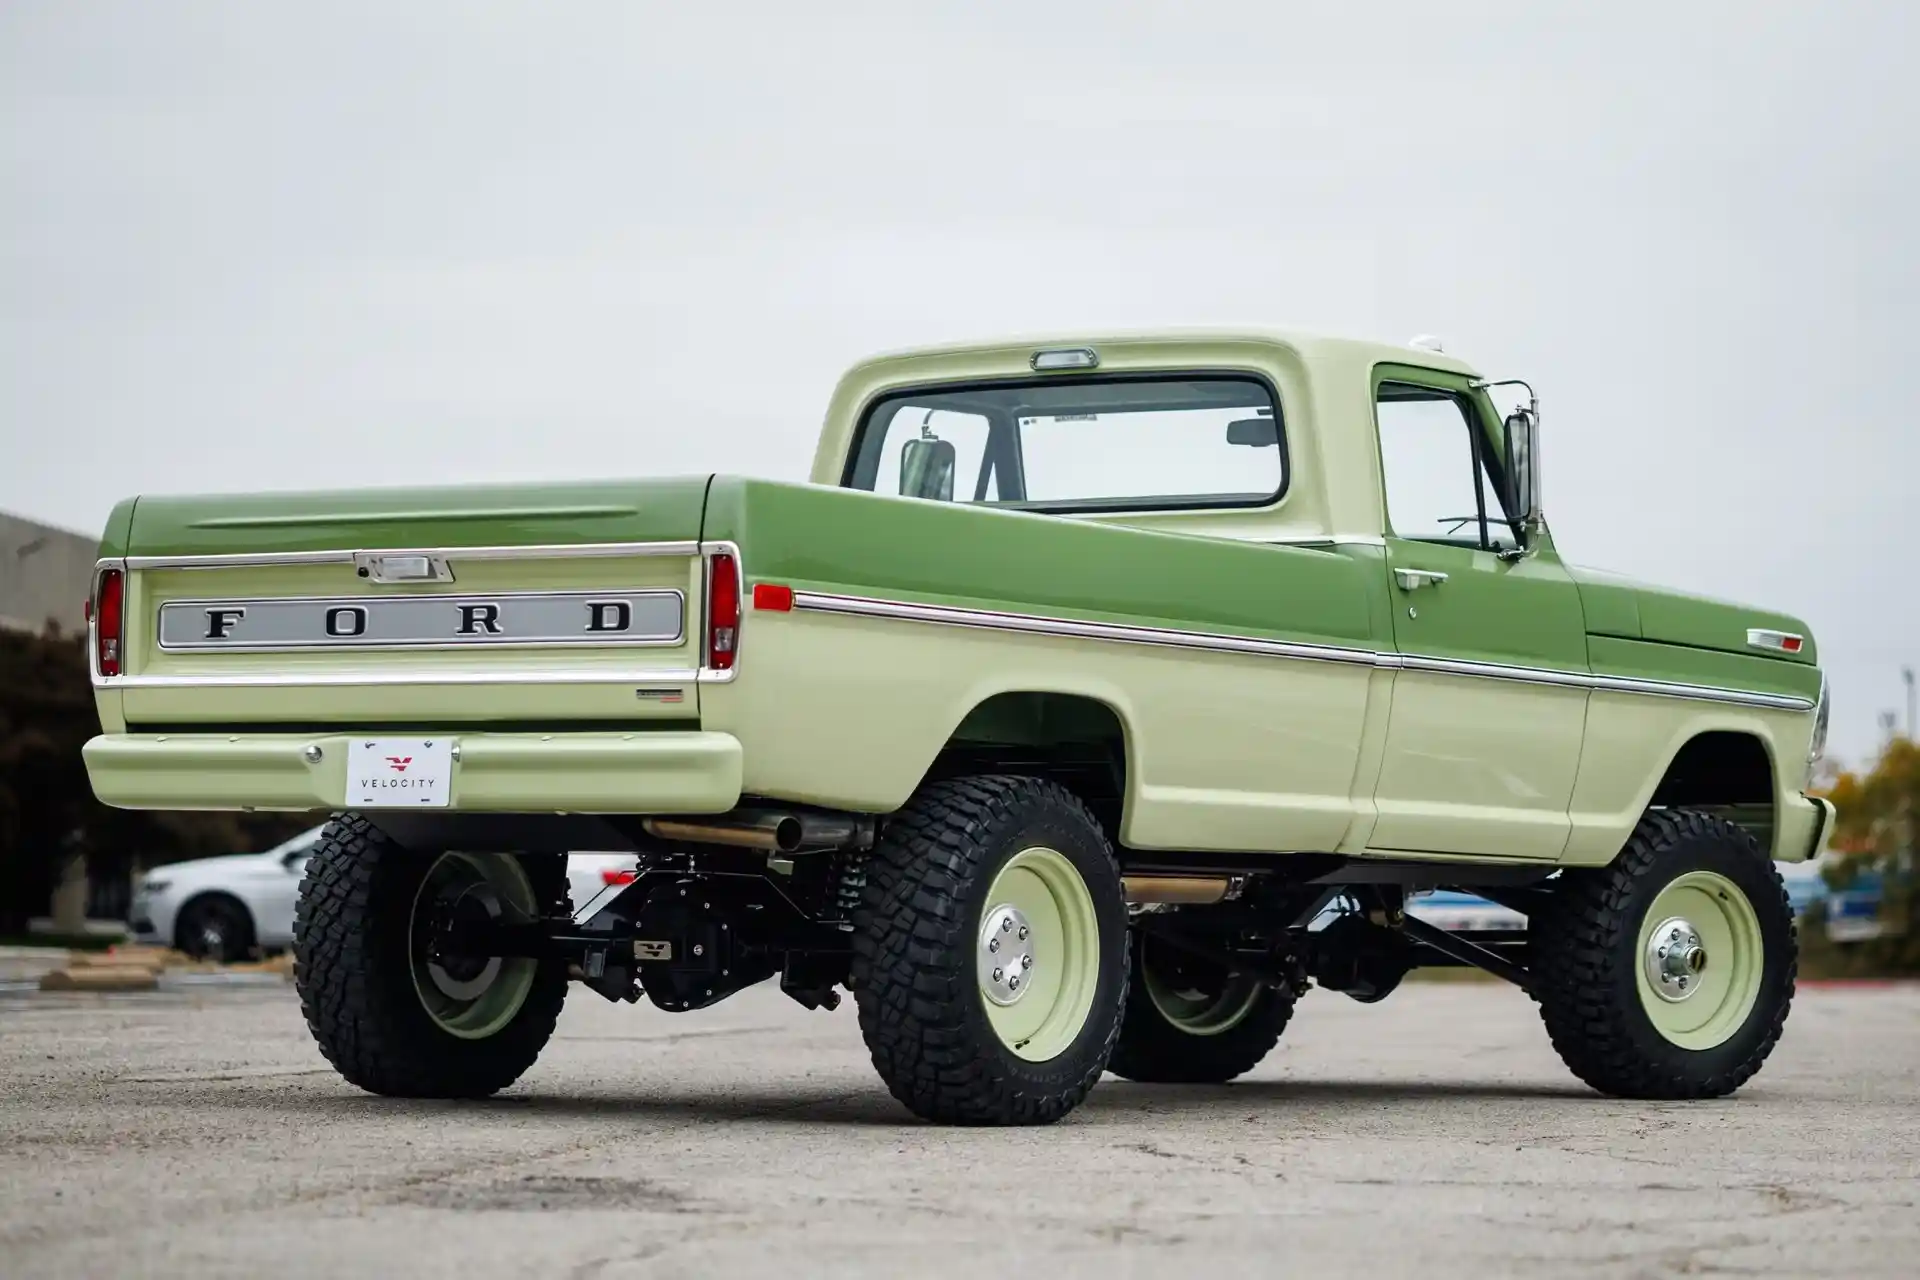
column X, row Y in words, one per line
column 155, row 886
column 1821, row 715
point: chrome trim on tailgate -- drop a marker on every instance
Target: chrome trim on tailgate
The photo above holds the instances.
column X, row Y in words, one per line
column 541, row 551
column 425, row 620
column 368, row 679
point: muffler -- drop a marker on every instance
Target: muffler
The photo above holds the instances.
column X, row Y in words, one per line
column 1177, row 890
column 774, row 830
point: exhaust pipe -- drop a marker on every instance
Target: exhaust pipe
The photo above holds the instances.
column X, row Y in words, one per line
column 774, row 830
column 1177, row 890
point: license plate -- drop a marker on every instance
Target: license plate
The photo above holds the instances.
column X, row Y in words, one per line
column 399, row 773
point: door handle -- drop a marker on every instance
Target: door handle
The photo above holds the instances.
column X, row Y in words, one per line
column 1414, row 579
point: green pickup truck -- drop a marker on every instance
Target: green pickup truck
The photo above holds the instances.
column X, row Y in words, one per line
column 1094, row 700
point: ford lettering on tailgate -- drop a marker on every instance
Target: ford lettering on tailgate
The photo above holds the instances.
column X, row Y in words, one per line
column 543, row 618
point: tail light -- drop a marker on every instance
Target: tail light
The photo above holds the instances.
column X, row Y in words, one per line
column 723, row 612
column 108, row 635
column 618, row 875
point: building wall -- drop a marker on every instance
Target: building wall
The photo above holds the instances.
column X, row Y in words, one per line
column 45, row 574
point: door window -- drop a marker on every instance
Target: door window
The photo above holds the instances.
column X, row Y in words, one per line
column 1442, row 484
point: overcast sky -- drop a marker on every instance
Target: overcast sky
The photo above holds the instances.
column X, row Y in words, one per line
column 257, row 245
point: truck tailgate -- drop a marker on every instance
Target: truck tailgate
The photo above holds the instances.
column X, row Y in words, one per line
column 573, row 605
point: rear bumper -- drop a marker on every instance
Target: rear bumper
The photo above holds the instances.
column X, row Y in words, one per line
column 1806, row 824
column 670, row 772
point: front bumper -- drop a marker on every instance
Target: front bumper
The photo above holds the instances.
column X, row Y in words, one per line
column 640, row 772
column 1806, row 825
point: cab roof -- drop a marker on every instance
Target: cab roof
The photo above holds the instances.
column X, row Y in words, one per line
column 1310, row 347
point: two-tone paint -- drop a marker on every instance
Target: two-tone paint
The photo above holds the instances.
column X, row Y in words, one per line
column 1261, row 672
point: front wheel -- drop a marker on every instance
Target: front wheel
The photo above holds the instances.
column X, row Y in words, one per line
column 391, row 1013
column 990, row 952
column 1669, row 973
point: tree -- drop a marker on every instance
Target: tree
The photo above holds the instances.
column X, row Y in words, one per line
column 48, row 814
column 1875, row 834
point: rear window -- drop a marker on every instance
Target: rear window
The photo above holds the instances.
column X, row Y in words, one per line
column 1109, row 444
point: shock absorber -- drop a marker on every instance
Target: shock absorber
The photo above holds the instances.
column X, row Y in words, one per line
column 846, row 880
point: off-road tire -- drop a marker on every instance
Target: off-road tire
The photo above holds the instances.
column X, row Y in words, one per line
column 353, row 972
column 1585, row 963
column 914, row 947
column 1153, row 1050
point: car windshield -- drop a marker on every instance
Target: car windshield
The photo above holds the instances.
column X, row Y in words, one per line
column 1087, row 445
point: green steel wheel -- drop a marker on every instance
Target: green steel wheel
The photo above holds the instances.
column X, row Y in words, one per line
column 990, row 952
column 467, row 996
column 392, row 1015
column 1191, row 1020
column 1668, row 974
column 1700, row 960
column 1038, row 961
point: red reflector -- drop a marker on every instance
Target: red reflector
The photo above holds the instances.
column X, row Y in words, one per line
column 1791, row 644
column 612, row 876
column 106, row 617
column 774, row 599
column 723, row 612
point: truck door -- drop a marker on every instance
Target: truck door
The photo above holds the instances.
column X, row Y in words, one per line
column 1482, row 743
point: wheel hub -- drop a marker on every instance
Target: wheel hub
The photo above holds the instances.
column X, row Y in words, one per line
column 464, row 977
column 1006, row 960
column 1675, row 959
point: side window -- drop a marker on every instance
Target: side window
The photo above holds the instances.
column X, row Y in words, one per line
column 1437, row 485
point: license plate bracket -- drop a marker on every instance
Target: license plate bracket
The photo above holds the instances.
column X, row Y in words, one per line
column 399, row 773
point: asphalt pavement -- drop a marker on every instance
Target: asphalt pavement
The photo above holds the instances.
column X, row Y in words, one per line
column 196, row 1132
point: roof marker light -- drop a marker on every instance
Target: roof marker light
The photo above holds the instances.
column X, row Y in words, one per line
column 1427, row 342
column 1065, row 358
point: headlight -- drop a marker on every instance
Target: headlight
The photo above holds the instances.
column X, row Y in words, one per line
column 155, row 886
column 1821, row 715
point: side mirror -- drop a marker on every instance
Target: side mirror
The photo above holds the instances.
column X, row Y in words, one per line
column 1256, row 433
column 926, row 469
column 1523, row 465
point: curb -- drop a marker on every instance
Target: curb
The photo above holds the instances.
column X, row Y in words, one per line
column 141, row 968
column 101, row 978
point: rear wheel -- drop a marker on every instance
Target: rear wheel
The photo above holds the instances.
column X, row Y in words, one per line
column 1191, row 1020
column 990, row 952
column 390, row 1012
column 1669, row 974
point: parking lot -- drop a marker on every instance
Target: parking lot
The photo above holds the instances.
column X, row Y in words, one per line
column 196, row 1131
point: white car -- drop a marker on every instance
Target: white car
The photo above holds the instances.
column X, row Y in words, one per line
column 229, row 907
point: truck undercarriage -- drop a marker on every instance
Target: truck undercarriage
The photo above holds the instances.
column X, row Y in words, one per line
column 719, row 905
